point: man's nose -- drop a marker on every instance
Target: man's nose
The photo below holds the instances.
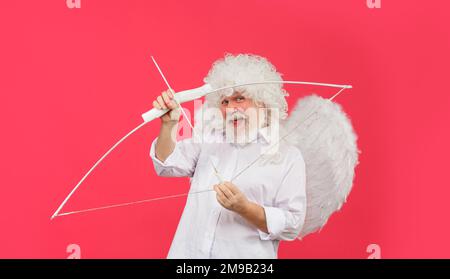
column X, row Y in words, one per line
column 234, row 105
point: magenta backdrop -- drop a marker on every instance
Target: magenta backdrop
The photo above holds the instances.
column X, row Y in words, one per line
column 73, row 81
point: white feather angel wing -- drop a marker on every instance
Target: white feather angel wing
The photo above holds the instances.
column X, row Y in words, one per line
column 325, row 136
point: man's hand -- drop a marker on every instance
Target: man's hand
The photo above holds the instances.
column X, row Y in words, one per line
column 166, row 101
column 230, row 197
column 169, row 124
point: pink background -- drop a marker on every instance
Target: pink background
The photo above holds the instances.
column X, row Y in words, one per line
column 73, row 81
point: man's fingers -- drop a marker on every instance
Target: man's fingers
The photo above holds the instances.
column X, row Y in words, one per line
column 168, row 100
column 222, row 200
column 226, row 191
column 219, row 191
column 161, row 102
column 231, row 187
column 156, row 105
column 171, row 93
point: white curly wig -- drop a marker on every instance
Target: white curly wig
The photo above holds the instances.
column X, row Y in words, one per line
column 247, row 68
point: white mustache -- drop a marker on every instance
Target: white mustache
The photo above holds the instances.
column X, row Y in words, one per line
column 236, row 115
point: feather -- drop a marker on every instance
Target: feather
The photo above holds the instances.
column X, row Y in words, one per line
column 328, row 144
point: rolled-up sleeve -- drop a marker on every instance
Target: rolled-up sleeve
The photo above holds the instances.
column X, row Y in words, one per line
column 181, row 162
column 286, row 217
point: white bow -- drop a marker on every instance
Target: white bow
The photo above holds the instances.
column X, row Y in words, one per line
column 180, row 97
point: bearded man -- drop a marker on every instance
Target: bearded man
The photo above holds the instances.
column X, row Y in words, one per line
column 249, row 210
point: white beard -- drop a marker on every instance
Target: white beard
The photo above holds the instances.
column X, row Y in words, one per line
column 240, row 129
column 237, row 128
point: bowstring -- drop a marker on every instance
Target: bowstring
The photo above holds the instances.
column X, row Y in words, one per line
column 57, row 214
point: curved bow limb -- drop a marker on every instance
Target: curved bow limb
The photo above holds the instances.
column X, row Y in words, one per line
column 181, row 97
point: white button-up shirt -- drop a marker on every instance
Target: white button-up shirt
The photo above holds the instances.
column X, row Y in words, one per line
column 206, row 229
